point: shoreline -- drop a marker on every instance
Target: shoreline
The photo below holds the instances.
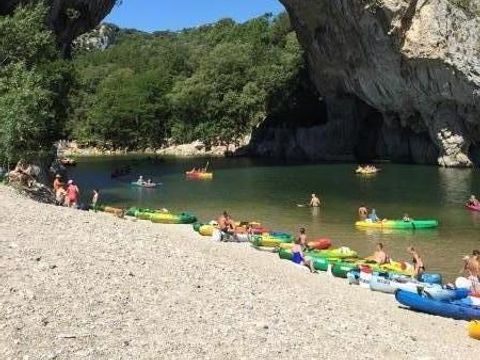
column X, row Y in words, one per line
column 83, row 284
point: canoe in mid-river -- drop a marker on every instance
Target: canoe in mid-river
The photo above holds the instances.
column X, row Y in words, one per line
column 472, row 207
column 398, row 224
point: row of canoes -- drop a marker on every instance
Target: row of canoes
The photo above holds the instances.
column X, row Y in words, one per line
column 425, row 294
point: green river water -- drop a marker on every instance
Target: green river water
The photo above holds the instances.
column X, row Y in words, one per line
column 268, row 192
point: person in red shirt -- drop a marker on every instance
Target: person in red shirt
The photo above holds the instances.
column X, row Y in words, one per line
column 73, row 194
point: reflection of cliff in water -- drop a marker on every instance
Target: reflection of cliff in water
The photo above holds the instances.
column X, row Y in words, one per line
column 456, row 184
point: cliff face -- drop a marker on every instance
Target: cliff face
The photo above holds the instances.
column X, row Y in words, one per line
column 401, row 80
column 69, row 18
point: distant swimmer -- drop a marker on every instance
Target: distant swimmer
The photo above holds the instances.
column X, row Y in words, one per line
column 315, row 201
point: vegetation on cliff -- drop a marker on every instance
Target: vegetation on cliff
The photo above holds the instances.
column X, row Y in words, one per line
column 212, row 83
column 33, row 84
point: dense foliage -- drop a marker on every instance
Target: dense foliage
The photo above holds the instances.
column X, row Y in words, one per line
column 33, row 84
column 212, row 83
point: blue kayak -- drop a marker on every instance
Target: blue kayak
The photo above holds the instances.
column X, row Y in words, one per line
column 450, row 309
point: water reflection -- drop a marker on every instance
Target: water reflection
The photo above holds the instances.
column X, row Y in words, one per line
column 455, row 184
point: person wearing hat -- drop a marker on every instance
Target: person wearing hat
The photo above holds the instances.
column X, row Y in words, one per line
column 73, row 194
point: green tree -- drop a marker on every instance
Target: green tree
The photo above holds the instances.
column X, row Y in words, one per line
column 33, row 82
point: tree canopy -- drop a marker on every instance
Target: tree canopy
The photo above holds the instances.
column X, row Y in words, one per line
column 213, row 83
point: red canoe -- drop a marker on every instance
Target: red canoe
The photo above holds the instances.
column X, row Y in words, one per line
column 320, row 244
column 473, row 208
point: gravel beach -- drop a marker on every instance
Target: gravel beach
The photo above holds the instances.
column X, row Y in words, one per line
column 84, row 285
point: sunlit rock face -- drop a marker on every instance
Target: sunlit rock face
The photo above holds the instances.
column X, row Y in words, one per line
column 414, row 62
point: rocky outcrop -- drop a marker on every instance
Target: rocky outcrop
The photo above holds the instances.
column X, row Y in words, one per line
column 69, row 18
column 415, row 63
column 101, row 38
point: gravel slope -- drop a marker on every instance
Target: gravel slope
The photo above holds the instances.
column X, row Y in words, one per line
column 78, row 285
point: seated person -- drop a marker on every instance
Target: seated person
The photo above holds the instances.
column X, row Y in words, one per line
column 379, row 256
column 406, row 218
column 373, row 216
column 299, row 258
column 473, row 201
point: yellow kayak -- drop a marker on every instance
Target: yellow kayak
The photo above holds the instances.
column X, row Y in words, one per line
column 474, row 329
column 206, row 230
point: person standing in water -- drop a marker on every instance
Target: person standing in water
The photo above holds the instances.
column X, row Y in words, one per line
column 362, row 213
column 314, row 201
column 419, row 266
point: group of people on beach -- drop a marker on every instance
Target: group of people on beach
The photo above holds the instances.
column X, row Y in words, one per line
column 69, row 194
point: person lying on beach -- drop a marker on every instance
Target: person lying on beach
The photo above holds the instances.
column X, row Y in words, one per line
column 417, row 261
column 379, row 256
column 298, row 257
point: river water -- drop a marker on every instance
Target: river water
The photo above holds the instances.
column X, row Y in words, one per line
column 268, row 192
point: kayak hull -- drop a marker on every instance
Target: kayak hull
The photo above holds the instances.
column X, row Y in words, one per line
column 473, row 208
column 454, row 310
column 199, row 175
column 398, row 224
column 168, row 218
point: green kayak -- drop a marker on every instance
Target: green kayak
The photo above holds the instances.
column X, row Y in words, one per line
column 319, row 263
column 339, row 253
column 340, row 269
column 398, row 224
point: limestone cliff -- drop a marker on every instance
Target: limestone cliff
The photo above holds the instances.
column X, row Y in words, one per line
column 69, row 18
column 401, row 80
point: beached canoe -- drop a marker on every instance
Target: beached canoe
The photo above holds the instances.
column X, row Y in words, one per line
column 341, row 268
column 473, row 208
column 451, row 309
column 338, row 253
column 270, row 240
column 398, row 224
column 433, row 291
column 168, row 218
column 199, row 175
column 319, row 263
column 319, row 244
column 474, row 329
